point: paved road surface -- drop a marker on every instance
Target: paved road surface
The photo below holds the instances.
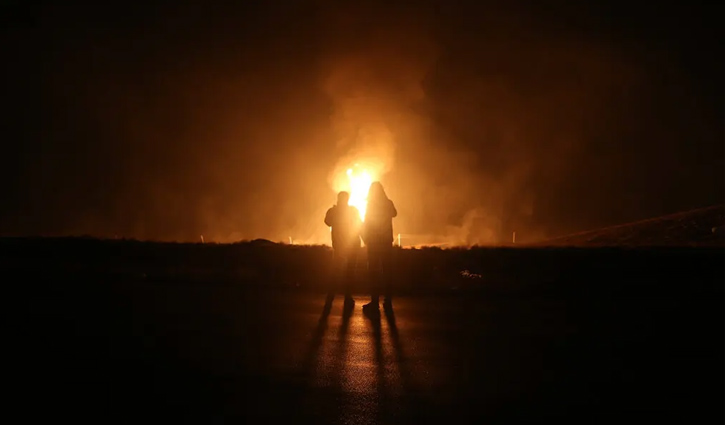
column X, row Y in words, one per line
column 223, row 354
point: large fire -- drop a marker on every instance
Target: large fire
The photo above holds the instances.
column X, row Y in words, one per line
column 359, row 182
column 356, row 180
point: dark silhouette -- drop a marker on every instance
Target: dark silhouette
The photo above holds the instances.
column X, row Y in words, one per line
column 378, row 236
column 312, row 354
column 344, row 221
column 341, row 349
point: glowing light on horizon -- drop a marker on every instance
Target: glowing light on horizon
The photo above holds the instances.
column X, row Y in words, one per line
column 355, row 177
column 359, row 180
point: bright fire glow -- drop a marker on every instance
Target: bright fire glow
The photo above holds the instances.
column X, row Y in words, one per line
column 359, row 180
column 355, row 177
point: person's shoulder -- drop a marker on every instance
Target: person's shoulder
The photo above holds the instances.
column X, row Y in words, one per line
column 392, row 209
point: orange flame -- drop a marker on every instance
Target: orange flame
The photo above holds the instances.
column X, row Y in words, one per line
column 359, row 181
column 356, row 180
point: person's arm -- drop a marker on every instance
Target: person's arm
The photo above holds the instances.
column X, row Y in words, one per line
column 356, row 217
column 358, row 223
column 363, row 232
column 329, row 217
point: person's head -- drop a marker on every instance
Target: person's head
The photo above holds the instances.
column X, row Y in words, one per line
column 343, row 198
column 376, row 192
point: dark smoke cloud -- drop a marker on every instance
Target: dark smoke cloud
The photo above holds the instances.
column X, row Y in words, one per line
column 470, row 129
column 233, row 122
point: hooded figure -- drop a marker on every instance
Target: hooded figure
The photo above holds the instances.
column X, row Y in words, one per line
column 378, row 236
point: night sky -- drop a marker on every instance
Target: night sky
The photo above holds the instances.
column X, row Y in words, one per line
column 168, row 121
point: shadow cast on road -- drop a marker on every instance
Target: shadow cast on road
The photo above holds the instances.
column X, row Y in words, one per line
column 393, row 379
column 391, row 389
column 309, row 361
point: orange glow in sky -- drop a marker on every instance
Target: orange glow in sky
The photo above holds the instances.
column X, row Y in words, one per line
column 356, row 180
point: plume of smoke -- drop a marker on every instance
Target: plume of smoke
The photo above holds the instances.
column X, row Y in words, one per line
column 472, row 136
column 464, row 135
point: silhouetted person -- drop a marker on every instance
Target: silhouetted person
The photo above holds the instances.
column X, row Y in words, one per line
column 344, row 221
column 378, row 236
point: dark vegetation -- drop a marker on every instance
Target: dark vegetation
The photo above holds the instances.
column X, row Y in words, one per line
column 425, row 270
column 695, row 228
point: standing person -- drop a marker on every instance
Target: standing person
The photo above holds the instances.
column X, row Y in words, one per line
column 345, row 225
column 378, row 237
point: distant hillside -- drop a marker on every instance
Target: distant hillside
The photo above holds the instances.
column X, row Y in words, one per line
column 701, row 227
